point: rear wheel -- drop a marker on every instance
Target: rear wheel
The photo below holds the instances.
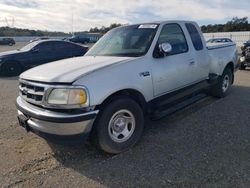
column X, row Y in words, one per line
column 11, row 69
column 11, row 44
column 118, row 126
column 224, row 83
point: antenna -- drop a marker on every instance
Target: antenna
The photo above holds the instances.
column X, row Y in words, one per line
column 72, row 22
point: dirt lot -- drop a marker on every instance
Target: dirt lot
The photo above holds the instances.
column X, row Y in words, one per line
column 205, row 145
column 18, row 45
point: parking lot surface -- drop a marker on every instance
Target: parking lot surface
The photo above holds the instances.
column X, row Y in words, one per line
column 204, row 145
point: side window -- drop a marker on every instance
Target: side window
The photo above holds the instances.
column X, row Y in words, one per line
column 59, row 46
column 45, row 47
column 195, row 36
column 70, row 46
column 173, row 34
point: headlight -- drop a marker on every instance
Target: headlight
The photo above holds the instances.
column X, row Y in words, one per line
column 242, row 59
column 69, row 97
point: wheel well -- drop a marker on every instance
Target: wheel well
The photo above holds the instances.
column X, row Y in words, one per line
column 134, row 94
column 15, row 61
column 230, row 65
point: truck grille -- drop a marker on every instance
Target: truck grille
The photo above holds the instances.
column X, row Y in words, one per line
column 31, row 91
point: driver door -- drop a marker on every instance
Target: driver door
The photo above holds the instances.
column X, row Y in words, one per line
column 174, row 70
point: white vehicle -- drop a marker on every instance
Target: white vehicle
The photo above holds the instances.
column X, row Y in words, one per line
column 219, row 40
column 144, row 69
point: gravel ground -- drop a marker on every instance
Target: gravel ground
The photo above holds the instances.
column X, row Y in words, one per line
column 18, row 45
column 204, row 145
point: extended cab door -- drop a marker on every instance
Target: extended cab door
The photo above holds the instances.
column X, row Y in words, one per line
column 200, row 55
column 173, row 71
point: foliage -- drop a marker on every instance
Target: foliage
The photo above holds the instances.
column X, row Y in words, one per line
column 7, row 31
column 236, row 24
column 104, row 29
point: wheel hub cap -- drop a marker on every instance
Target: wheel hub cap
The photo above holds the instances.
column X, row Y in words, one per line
column 121, row 126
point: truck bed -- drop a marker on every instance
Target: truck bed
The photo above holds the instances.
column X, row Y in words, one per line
column 211, row 46
column 220, row 54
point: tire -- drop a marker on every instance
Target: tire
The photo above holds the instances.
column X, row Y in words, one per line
column 11, row 44
column 221, row 89
column 118, row 126
column 11, row 69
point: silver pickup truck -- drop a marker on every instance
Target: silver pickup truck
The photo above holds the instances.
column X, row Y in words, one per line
column 136, row 70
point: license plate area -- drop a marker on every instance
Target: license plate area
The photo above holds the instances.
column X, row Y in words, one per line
column 23, row 121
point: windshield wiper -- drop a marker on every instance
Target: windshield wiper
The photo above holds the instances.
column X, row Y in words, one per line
column 127, row 54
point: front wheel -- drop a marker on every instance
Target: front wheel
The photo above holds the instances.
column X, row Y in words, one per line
column 221, row 89
column 118, row 126
column 11, row 69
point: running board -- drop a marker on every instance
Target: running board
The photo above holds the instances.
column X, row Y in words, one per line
column 170, row 110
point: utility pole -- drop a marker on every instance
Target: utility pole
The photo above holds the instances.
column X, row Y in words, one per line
column 72, row 22
column 10, row 22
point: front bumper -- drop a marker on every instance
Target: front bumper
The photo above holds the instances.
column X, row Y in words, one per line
column 54, row 123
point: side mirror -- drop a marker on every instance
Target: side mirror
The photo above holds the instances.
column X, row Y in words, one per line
column 165, row 48
column 34, row 50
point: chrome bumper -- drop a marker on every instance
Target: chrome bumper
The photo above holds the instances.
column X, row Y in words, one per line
column 56, row 123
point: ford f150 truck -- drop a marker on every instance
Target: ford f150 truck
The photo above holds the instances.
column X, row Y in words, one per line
column 136, row 70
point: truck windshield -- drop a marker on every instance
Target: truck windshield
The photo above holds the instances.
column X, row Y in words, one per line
column 131, row 41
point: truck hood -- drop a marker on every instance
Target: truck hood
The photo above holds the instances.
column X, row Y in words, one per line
column 68, row 70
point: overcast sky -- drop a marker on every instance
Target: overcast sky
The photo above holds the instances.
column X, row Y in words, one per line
column 56, row 15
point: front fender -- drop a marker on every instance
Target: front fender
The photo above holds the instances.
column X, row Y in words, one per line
column 105, row 82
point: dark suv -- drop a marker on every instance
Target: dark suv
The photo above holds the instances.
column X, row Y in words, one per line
column 79, row 39
column 7, row 41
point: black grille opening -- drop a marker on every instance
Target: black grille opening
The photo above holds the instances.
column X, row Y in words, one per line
column 39, row 89
column 31, row 92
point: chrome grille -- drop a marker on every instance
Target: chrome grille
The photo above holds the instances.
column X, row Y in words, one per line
column 31, row 91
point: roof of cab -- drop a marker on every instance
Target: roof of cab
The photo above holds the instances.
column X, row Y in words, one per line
column 161, row 22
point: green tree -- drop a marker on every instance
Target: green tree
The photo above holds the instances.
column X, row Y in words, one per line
column 236, row 24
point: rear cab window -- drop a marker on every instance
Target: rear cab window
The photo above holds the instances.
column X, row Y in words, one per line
column 195, row 36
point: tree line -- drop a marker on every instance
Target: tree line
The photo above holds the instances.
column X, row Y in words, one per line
column 7, row 31
column 236, row 24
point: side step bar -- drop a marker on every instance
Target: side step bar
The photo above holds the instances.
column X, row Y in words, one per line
column 168, row 111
